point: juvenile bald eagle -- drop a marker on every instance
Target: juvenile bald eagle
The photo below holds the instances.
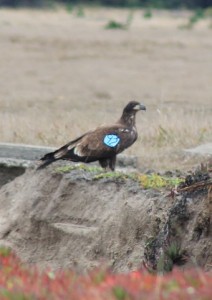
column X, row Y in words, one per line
column 101, row 144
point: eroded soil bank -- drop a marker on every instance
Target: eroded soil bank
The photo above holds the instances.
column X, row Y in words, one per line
column 81, row 220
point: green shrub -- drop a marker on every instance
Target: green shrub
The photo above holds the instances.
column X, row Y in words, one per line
column 112, row 24
column 194, row 18
column 147, row 13
column 80, row 11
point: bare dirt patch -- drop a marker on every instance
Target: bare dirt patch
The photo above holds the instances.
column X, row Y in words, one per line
column 61, row 75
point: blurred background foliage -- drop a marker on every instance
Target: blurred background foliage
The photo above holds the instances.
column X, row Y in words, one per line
column 170, row 4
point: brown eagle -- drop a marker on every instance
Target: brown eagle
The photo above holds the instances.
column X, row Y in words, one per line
column 101, row 144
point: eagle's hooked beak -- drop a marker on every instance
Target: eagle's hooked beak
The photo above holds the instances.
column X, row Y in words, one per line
column 139, row 107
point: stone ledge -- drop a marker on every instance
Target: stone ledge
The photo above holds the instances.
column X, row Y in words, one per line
column 205, row 149
column 22, row 155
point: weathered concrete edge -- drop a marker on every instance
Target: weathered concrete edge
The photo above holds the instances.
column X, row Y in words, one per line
column 205, row 149
column 23, row 151
column 22, row 155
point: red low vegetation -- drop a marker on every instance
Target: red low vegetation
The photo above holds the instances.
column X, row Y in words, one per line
column 21, row 282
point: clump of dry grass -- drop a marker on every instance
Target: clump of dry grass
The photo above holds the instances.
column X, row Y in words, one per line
column 177, row 128
column 164, row 138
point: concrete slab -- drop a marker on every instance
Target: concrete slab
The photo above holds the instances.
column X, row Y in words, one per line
column 22, row 155
column 205, row 149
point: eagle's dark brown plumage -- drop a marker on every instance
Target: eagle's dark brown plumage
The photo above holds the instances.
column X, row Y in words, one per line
column 101, row 144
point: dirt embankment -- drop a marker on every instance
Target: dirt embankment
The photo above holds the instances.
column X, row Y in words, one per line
column 81, row 220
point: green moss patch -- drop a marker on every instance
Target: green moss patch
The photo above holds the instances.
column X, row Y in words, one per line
column 147, row 181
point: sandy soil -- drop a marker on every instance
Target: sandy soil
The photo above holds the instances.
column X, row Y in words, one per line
column 61, row 74
column 76, row 220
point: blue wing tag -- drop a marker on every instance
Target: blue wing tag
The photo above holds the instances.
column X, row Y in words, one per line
column 111, row 140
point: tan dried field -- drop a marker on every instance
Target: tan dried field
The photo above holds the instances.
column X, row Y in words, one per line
column 62, row 75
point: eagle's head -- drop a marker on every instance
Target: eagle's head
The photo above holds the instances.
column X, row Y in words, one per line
column 133, row 107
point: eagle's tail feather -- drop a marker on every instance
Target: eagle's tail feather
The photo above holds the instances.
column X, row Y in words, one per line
column 46, row 160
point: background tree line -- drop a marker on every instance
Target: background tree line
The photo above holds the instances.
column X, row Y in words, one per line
column 118, row 3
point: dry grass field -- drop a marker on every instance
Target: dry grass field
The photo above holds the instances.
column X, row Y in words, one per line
column 62, row 75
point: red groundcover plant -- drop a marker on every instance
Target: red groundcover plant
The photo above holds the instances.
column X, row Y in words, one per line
column 22, row 282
